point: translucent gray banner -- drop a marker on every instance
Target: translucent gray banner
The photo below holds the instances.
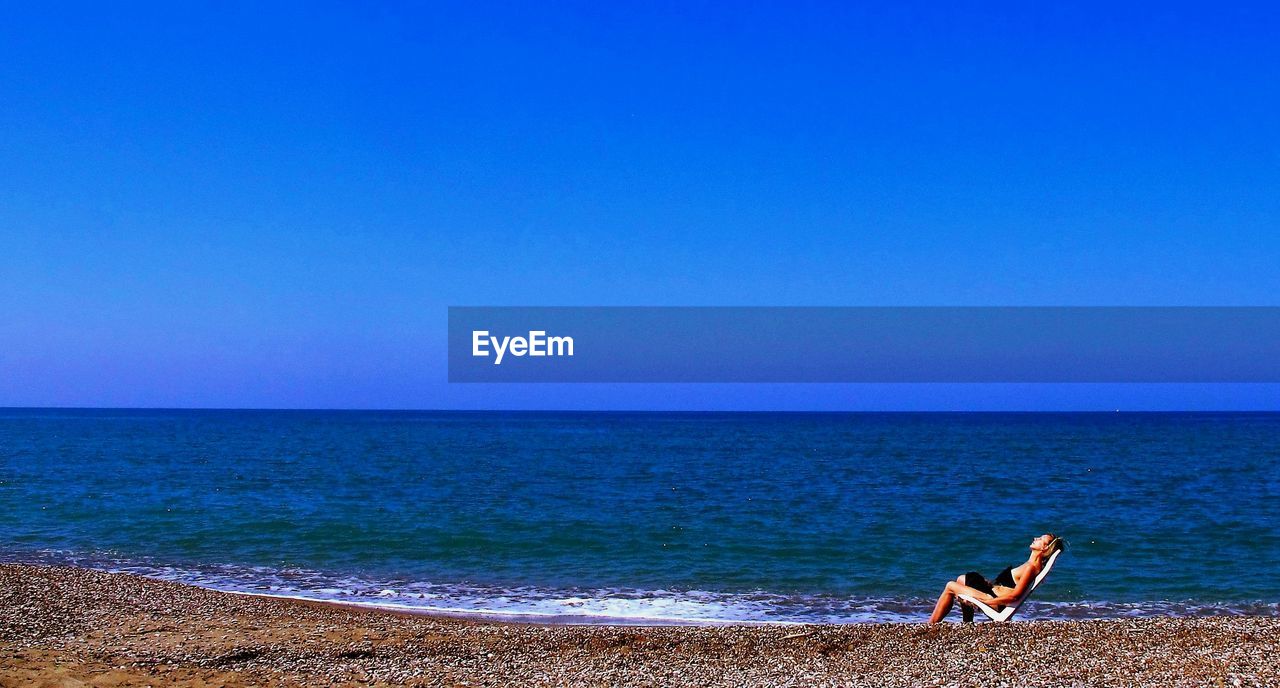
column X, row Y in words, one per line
column 864, row 344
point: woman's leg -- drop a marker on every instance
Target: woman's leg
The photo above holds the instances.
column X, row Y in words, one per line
column 948, row 598
column 943, row 607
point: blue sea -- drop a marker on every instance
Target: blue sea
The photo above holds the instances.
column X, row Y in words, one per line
column 656, row 517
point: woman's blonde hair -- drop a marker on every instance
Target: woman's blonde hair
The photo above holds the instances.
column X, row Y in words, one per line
column 1055, row 544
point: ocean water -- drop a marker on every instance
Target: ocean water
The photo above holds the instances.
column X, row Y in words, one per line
column 656, row 517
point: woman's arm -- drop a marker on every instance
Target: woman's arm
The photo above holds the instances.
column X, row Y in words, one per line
column 1028, row 577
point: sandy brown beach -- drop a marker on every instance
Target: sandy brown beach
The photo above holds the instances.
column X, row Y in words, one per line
column 73, row 627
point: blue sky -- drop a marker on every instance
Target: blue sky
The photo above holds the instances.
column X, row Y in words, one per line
column 226, row 205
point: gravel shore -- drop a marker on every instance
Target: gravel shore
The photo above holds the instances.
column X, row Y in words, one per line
column 71, row 627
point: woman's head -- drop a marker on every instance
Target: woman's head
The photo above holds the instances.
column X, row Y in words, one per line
column 1047, row 544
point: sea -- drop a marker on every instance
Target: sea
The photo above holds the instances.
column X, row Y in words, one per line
column 646, row 518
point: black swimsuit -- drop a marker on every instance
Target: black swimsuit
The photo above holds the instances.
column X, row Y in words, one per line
column 978, row 581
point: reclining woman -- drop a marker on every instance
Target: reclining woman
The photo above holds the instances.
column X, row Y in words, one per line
column 1008, row 587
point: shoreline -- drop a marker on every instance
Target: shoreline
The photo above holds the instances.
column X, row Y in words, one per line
column 489, row 616
column 72, row 626
column 565, row 607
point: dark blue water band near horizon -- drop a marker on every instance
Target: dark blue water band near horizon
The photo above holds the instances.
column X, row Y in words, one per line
column 870, row 344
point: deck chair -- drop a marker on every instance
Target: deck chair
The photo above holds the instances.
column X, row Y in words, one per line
column 1004, row 614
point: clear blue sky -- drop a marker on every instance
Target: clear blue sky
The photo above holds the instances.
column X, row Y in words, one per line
column 225, row 205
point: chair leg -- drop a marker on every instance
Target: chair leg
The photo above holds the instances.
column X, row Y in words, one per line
column 966, row 613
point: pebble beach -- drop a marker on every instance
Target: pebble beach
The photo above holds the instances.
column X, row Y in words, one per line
column 64, row 626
